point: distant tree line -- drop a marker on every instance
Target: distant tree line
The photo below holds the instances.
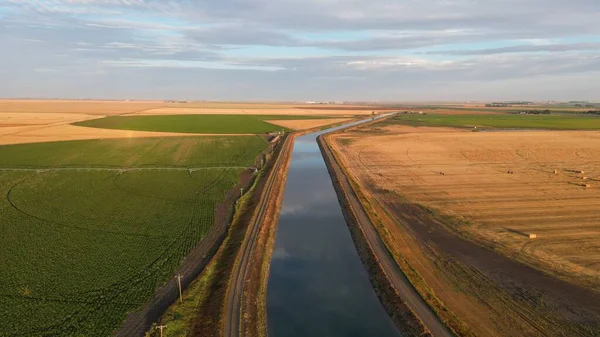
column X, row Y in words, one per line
column 507, row 104
column 535, row 112
column 497, row 105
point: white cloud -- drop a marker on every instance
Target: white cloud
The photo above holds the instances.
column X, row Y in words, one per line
column 271, row 48
column 387, row 63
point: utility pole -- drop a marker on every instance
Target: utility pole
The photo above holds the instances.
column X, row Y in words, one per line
column 161, row 327
column 179, row 284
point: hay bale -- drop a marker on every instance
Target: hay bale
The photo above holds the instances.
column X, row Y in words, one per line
column 532, row 236
column 587, row 185
column 579, row 171
column 555, row 171
column 584, row 178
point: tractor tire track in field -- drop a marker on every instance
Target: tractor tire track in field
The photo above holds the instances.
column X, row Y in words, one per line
column 123, row 169
column 147, row 196
column 101, row 297
column 184, row 233
column 224, row 171
column 54, row 299
column 60, row 224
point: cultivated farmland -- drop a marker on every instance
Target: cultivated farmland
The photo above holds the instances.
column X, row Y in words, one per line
column 497, row 189
column 555, row 122
column 215, row 124
column 89, row 229
column 32, row 121
column 505, row 184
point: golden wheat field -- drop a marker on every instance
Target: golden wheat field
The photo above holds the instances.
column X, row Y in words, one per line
column 505, row 186
column 31, row 121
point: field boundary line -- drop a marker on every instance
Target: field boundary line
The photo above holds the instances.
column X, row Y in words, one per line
column 125, row 169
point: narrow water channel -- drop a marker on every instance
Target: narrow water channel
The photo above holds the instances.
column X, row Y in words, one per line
column 318, row 285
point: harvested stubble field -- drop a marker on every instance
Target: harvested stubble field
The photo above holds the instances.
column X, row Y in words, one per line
column 94, row 108
column 31, row 121
column 316, row 110
column 83, row 242
column 462, row 179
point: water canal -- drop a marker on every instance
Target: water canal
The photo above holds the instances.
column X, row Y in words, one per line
column 318, row 285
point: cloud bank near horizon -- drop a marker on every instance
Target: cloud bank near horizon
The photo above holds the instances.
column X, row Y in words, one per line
column 301, row 49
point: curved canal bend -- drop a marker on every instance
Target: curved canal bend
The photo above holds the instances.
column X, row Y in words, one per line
column 318, row 285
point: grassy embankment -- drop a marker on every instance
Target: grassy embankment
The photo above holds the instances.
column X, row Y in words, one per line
column 204, row 314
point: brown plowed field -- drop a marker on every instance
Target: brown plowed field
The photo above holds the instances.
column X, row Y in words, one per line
column 462, row 180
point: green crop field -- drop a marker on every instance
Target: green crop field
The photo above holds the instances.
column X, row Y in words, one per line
column 79, row 248
column 562, row 122
column 211, row 124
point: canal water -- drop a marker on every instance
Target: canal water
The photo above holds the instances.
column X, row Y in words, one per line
column 318, row 285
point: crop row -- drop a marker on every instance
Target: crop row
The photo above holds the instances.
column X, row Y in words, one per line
column 81, row 249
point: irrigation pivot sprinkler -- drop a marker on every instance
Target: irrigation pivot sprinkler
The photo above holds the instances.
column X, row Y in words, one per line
column 179, row 284
column 161, row 327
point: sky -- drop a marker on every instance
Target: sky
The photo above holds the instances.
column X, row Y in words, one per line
column 357, row 50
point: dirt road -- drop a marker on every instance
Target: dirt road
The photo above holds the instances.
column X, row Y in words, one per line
column 233, row 321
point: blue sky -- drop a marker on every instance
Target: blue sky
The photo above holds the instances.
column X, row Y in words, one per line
column 393, row 50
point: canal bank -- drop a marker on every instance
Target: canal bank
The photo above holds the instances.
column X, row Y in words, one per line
column 401, row 300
